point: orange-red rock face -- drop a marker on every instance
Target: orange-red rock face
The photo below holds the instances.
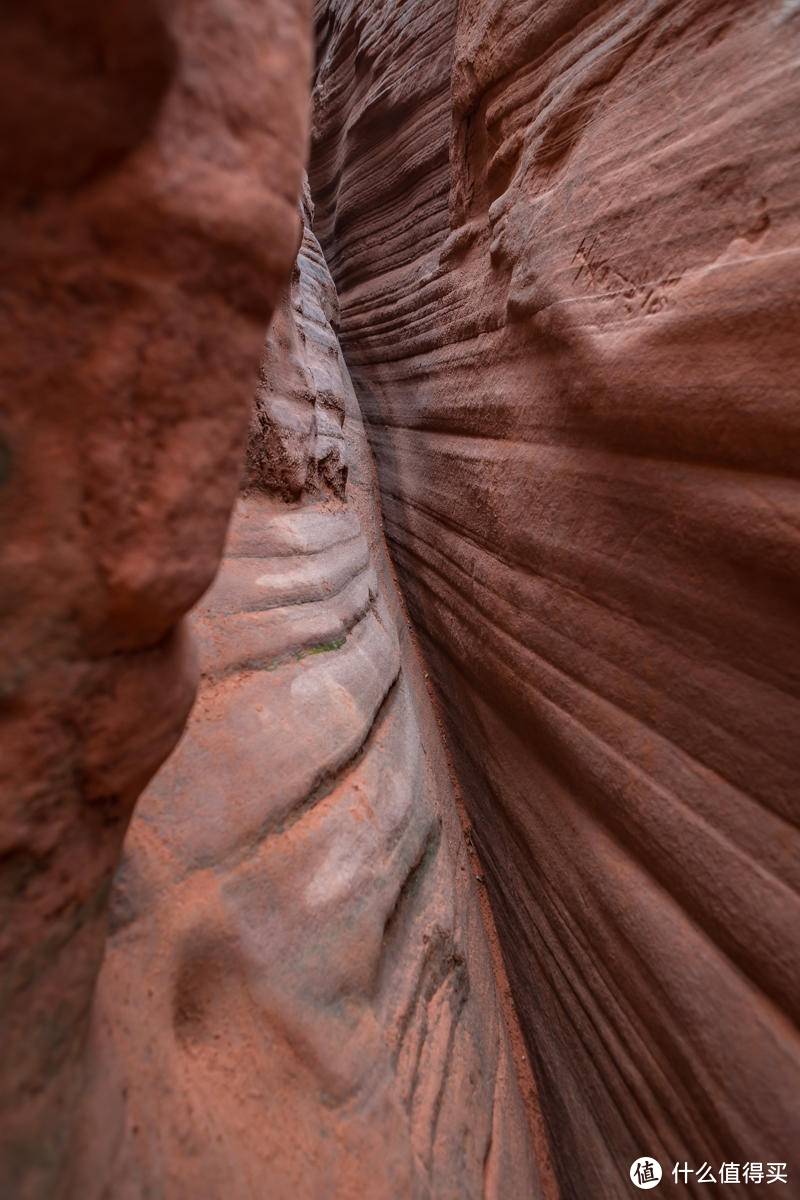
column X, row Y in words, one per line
column 151, row 163
column 297, row 999
column 567, row 298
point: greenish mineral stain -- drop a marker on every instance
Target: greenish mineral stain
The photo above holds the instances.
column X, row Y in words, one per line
column 324, row 647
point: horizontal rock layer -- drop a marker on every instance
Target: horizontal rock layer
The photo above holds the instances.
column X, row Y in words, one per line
column 297, row 998
column 564, row 237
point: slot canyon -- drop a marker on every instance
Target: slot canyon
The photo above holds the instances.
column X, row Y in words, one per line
column 399, row 455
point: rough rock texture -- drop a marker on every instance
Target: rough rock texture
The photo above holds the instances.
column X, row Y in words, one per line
column 297, row 998
column 151, row 160
column 569, row 311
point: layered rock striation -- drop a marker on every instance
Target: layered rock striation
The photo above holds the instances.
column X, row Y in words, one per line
column 564, row 237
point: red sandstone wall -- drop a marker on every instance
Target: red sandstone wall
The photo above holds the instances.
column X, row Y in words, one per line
column 150, row 165
column 565, row 241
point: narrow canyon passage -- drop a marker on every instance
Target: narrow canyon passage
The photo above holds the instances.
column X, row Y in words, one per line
column 399, row 671
column 297, row 998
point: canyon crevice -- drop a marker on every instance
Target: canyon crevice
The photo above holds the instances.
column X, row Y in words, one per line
column 400, row 560
column 297, row 998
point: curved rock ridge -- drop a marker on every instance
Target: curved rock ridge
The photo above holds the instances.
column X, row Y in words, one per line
column 150, row 165
column 297, row 998
column 564, row 237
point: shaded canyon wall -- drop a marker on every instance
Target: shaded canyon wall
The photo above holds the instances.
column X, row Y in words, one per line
column 150, row 161
column 564, row 237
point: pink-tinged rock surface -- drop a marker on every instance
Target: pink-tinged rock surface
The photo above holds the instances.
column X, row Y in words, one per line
column 565, row 239
column 297, row 998
column 151, row 161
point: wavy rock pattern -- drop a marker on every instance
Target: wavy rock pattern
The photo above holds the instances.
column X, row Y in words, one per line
column 297, row 998
column 564, row 237
column 147, row 202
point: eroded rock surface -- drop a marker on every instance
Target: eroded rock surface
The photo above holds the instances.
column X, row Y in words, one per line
column 297, row 998
column 151, row 160
column 564, row 237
